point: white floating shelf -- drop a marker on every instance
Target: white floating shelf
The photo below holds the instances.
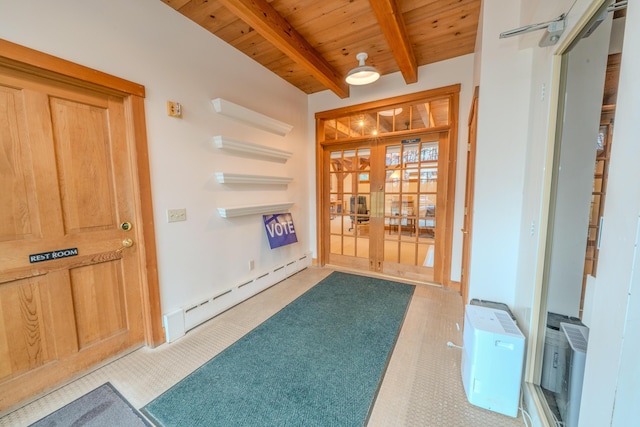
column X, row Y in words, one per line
column 257, row 150
column 254, row 209
column 240, row 178
column 250, row 117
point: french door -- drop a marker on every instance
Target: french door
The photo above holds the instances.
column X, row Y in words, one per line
column 386, row 208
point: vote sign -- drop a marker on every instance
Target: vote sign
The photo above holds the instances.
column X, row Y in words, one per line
column 280, row 229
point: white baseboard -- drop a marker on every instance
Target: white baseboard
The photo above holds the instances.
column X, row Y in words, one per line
column 179, row 322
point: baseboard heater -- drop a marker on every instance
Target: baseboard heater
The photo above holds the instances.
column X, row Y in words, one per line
column 179, row 322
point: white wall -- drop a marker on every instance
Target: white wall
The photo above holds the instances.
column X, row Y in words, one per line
column 503, row 116
column 444, row 73
column 147, row 42
column 611, row 394
column 535, row 156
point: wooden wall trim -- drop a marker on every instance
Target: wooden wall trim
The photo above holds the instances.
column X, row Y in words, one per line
column 443, row 92
column 153, row 329
column 454, row 107
column 455, row 286
column 33, row 59
column 321, row 253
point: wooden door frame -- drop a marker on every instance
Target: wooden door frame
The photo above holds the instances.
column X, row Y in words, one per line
column 468, row 197
column 322, row 179
column 56, row 69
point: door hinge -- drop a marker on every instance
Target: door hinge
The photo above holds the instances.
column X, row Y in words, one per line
column 468, row 146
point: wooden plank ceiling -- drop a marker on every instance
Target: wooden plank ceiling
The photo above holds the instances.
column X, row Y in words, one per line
column 313, row 43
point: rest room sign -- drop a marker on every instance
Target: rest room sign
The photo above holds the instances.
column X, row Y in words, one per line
column 280, row 229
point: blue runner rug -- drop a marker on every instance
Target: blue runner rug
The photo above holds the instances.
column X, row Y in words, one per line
column 317, row 362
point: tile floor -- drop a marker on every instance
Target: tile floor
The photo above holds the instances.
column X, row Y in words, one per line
column 422, row 385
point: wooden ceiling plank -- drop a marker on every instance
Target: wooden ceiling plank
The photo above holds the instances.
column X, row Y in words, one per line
column 441, row 27
column 208, row 14
column 393, row 28
column 418, row 10
column 351, row 43
column 302, row 12
column 435, row 52
column 176, row 4
column 338, row 29
column 265, row 20
column 339, row 19
column 260, row 50
column 234, row 30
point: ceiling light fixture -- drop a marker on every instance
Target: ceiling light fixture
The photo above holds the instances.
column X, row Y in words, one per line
column 362, row 74
column 389, row 113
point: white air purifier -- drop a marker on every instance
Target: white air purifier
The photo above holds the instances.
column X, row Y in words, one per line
column 571, row 396
column 492, row 358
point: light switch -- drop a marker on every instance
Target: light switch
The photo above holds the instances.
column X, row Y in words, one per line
column 176, row 215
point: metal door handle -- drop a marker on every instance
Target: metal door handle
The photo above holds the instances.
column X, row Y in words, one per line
column 126, row 243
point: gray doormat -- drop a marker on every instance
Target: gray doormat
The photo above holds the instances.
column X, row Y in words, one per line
column 101, row 407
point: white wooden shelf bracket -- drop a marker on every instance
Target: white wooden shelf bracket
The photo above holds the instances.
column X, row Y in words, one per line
column 250, row 117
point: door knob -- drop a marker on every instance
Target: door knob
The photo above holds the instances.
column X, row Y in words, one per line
column 126, row 243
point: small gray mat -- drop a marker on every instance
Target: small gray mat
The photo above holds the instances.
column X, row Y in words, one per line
column 102, row 407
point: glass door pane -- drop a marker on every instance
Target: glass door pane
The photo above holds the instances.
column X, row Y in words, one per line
column 349, row 206
column 410, row 190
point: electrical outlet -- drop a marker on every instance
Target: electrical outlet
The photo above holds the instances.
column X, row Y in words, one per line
column 176, row 215
column 252, row 265
column 174, row 109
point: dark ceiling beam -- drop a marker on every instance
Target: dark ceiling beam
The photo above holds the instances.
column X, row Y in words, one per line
column 392, row 25
column 262, row 17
